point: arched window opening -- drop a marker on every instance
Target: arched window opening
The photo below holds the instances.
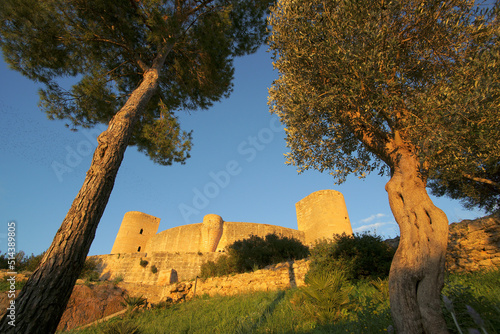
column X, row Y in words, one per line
column 140, row 232
column 139, row 249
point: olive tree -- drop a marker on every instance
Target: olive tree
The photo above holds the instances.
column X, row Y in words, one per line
column 359, row 80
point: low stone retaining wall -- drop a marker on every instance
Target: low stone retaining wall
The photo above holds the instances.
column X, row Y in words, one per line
column 474, row 244
column 275, row 277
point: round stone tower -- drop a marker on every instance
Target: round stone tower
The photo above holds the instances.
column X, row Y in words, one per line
column 211, row 232
column 135, row 231
column 322, row 214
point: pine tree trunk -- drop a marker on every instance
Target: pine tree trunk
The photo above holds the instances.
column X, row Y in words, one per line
column 417, row 272
column 43, row 299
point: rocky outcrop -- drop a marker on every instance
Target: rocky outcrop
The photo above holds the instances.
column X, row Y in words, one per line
column 89, row 303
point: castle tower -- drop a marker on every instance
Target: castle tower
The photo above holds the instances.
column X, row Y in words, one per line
column 211, row 232
column 135, row 231
column 322, row 214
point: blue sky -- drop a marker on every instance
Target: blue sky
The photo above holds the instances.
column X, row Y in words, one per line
column 237, row 169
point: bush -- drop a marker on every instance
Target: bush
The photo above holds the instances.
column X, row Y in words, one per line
column 32, row 262
column 255, row 253
column 117, row 279
column 154, row 270
column 89, row 271
column 361, row 255
column 325, row 296
column 143, row 263
column 260, row 252
column 224, row 265
column 132, row 302
column 22, row 262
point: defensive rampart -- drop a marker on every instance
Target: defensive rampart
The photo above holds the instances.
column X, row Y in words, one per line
column 177, row 253
column 319, row 215
column 170, row 267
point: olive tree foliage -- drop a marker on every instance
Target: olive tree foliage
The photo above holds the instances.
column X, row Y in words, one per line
column 462, row 139
column 364, row 86
column 428, row 70
column 135, row 63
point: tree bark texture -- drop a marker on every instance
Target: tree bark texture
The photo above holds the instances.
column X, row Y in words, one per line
column 43, row 299
column 417, row 271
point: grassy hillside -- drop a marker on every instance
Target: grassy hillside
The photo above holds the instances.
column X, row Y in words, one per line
column 365, row 310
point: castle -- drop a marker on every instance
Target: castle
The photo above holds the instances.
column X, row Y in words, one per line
column 319, row 215
column 142, row 255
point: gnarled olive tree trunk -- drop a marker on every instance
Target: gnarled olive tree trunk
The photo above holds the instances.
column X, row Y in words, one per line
column 417, row 272
column 43, row 299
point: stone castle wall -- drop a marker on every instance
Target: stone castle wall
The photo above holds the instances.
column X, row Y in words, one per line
column 322, row 214
column 185, row 238
column 190, row 238
column 135, row 231
column 185, row 265
column 211, row 232
column 319, row 215
column 474, row 244
column 275, row 277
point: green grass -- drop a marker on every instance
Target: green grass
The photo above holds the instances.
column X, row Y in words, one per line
column 5, row 285
column 283, row 312
column 481, row 292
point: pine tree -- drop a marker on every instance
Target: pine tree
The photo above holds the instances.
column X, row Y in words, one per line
column 135, row 62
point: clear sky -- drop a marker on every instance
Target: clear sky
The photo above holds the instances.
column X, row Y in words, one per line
column 237, row 169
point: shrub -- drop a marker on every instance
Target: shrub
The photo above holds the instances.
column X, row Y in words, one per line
column 325, row 296
column 224, row 265
column 154, row 270
column 255, row 253
column 132, row 302
column 260, row 252
column 32, row 262
column 22, row 262
column 361, row 255
column 117, row 279
column 143, row 263
column 89, row 271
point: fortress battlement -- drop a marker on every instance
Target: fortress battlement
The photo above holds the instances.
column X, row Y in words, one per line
column 319, row 215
